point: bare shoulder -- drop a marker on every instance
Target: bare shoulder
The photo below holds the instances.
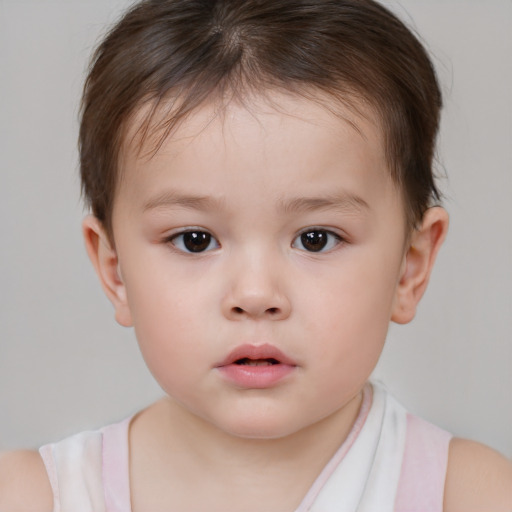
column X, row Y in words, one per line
column 24, row 484
column 478, row 478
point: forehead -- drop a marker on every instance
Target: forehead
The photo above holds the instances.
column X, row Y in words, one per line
column 154, row 125
column 295, row 137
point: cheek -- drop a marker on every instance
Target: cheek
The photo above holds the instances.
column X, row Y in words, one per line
column 161, row 292
column 351, row 313
column 168, row 315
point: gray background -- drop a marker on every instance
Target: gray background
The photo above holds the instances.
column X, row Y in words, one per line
column 65, row 365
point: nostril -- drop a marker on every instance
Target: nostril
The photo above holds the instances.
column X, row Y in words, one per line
column 271, row 311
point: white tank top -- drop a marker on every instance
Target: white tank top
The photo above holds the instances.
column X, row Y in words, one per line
column 368, row 473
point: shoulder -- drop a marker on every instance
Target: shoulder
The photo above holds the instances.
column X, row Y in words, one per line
column 24, row 485
column 477, row 479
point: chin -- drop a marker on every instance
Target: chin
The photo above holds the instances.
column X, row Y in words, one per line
column 262, row 427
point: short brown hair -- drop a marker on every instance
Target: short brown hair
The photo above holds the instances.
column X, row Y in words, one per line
column 193, row 49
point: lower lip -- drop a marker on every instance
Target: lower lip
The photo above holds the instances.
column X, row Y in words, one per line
column 256, row 377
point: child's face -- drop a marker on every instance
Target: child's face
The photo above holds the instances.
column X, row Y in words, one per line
column 278, row 226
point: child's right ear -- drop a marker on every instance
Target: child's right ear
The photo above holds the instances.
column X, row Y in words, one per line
column 103, row 256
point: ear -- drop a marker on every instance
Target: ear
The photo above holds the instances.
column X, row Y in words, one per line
column 418, row 263
column 103, row 256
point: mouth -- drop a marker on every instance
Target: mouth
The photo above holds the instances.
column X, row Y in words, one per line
column 256, row 355
column 256, row 367
column 245, row 361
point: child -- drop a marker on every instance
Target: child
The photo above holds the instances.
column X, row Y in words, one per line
column 260, row 178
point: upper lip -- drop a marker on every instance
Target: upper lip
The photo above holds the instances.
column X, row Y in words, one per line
column 255, row 352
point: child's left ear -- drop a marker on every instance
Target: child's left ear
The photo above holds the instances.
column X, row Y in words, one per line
column 418, row 263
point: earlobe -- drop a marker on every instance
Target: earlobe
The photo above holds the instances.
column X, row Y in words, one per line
column 104, row 258
column 418, row 263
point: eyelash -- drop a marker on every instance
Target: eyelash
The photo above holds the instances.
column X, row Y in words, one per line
column 191, row 239
column 179, row 240
column 331, row 239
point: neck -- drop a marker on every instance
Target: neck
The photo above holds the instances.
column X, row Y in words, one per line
column 171, row 437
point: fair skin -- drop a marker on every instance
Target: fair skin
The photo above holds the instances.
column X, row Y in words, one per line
column 274, row 227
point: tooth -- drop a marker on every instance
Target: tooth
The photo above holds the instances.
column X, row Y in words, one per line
column 258, row 363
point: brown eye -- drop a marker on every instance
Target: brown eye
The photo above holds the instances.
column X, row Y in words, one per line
column 194, row 241
column 316, row 240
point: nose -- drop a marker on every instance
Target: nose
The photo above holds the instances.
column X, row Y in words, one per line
column 256, row 290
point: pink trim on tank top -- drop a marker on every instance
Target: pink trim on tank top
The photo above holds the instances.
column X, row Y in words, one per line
column 116, row 478
column 421, row 485
column 47, row 456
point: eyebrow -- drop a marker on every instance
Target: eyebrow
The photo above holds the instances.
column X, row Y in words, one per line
column 344, row 202
column 171, row 199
